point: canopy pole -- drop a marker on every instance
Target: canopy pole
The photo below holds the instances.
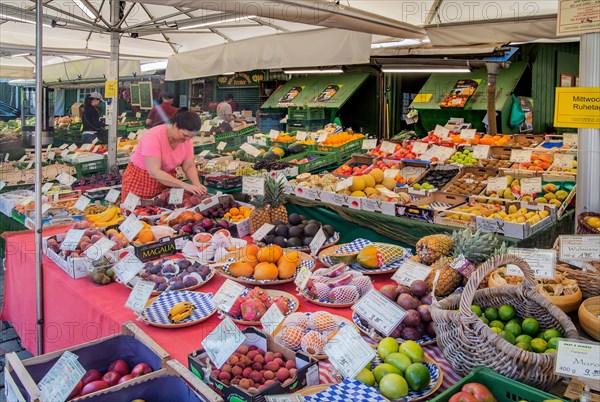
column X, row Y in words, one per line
column 39, row 289
column 492, row 69
column 112, row 116
column 588, row 154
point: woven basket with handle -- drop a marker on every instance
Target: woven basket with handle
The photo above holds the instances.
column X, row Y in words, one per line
column 585, row 228
column 467, row 342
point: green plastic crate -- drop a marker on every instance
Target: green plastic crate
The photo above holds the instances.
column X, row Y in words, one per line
column 344, row 151
column 306, row 113
column 88, row 168
column 323, row 159
column 503, row 388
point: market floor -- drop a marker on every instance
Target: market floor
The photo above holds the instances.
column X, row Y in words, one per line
column 9, row 340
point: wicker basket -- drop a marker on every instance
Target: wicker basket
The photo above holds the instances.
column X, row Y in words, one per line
column 583, row 227
column 467, row 342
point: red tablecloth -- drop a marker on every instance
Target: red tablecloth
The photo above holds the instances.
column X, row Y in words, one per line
column 78, row 311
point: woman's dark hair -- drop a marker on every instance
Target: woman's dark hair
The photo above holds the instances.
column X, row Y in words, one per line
column 88, row 100
column 186, row 120
column 229, row 97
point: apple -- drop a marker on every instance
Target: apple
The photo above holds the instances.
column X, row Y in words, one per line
column 126, row 377
column 462, row 397
column 93, row 387
column 479, row 391
column 111, row 378
column 141, row 369
column 76, row 391
column 120, row 366
column 90, row 376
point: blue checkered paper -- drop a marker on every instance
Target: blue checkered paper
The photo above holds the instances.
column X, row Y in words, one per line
column 307, row 264
column 355, row 247
column 348, row 390
column 158, row 311
column 424, row 339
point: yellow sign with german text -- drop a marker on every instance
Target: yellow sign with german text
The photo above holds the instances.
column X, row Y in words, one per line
column 577, row 107
column 110, row 89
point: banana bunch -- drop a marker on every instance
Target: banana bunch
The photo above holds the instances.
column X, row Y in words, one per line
column 111, row 216
column 181, row 311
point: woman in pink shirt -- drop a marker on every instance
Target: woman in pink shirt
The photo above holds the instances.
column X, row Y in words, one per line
column 159, row 152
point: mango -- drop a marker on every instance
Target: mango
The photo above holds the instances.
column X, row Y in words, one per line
column 549, row 188
column 369, row 257
column 540, row 200
column 549, row 196
column 561, row 195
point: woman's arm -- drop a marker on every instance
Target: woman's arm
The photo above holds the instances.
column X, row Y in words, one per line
column 191, row 171
column 154, row 169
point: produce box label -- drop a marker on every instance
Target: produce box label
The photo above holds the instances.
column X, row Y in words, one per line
column 411, row 271
column 531, row 185
column 578, row 359
column 369, row 144
column 580, row 248
column 520, row 155
column 250, row 149
column 46, row 187
column 302, row 278
column 542, row 262
column 273, row 134
column 420, row 147
column 388, row 147
column 468, row 133
column 284, row 398
column 221, row 146
column 441, row 132
column 62, row 378
column 497, row 183
column 204, row 153
column 563, row 160
column 349, row 352
column 383, row 314
column 222, row 342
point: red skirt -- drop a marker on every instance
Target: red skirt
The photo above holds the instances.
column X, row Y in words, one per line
column 139, row 182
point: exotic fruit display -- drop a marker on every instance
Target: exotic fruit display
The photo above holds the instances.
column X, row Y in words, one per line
column 269, row 208
column 337, row 286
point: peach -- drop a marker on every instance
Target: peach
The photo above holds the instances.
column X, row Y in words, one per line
column 259, row 359
column 247, row 371
column 236, row 370
column 292, row 372
column 252, row 354
column 271, row 366
column 260, row 352
column 215, row 373
column 257, row 377
column 283, row 374
column 226, row 368
column 224, row 376
column 244, row 383
column 243, row 349
column 246, row 360
column 269, row 382
column 257, row 366
column 290, row 364
column 269, row 357
column 252, row 347
column 233, row 360
column 279, row 362
column 269, row 375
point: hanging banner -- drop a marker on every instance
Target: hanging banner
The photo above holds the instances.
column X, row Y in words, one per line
column 577, row 107
column 110, row 89
column 249, row 79
column 576, row 17
column 328, row 93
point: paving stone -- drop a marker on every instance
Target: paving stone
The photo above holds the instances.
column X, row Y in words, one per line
column 8, row 334
column 24, row 354
column 10, row 346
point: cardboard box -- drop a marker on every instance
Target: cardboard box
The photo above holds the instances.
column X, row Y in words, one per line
column 484, row 172
column 516, row 230
column 162, row 248
column 386, row 208
column 132, row 344
column 9, row 200
column 334, row 198
column 426, row 208
column 307, row 373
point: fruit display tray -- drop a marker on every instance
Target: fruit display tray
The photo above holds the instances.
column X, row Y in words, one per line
column 322, row 160
column 156, row 312
column 224, row 183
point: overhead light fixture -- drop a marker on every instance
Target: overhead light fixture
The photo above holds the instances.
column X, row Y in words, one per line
column 159, row 65
column 425, row 70
column 213, row 20
column 17, row 19
column 314, row 71
column 85, row 9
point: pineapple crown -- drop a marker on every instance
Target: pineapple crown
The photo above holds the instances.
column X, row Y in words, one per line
column 274, row 191
column 475, row 246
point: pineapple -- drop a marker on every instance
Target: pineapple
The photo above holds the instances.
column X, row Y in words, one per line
column 431, row 248
column 275, row 195
column 448, row 280
column 260, row 214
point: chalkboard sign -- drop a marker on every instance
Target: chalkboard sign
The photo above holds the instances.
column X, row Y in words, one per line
column 134, row 89
column 145, row 95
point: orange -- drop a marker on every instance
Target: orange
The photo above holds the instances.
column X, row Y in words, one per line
column 250, row 250
column 241, row 269
column 291, row 256
column 110, row 232
column 234, row 211
column 270, row 253
column 265, row 271
column 145, row 236
column 286, row 269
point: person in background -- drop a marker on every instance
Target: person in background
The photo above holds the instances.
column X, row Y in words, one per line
column 225, row 110
column 123, row 104
column 160, row 114
column 92, row 126
column 159, row 152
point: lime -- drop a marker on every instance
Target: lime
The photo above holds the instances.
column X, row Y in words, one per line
column 417, row 376
column 413, row 350
column 506, row 312
column 476, row 309
column 538, row 345
column 366, row 377
column 523, row 338
column 383, row 369
column 386, row 346
column 491, row 313
column 553, row 343
column 524, row 346
column 513, row 328
column 496, row 329
column 497, row 324
column 508, row 337
column 517, row 320
column 551, row 333
column 485, row 320
column 393, row 386
column 530, row 326
column 550, row 350
column 398, row 360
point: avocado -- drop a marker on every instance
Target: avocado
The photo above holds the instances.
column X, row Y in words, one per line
column 294, row 219
column 307, row 241
column 294, row 242
column 277, row 223
column 296, row 231
column 311, row 229
column 295, row 149
column 269, row 239
column 281, row 230
column 280, row 241
column 316, row 222
column 329, row 230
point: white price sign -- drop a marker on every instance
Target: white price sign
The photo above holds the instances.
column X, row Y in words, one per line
column 542, row 262
column 98, row 249
column 302, row 278
column 391, row 173
column 63, row 146
column 531, row 185
column 441, row 132
column 273, row 134
column 204, row 153
column 139, row 295
column 411, row 271
column 262, row 232
column 578, row 359
column 301, row 135
column 520, row 155
column 233, row 165
column 221, row 146
column 71, row 240
column 27, row 200
column 388, row 147
column 419, row 147
column 29, row 165
column 227, row 294
column 128, row 267
column 349, row 352
column 82, row 203
column 222, row 342
column 344, row 184
column 45, row 207
column 369, row 144
column 563, row 160
column 382, row 313
column 113, row 195
column 175, row 214
column 481, row 151
column 131, row 202
column 284, row 398
column 580, row 248
column 176, row 196
column 468, row 133
column 23, row 158
column 2, row 184
column 322, row 137
column 444, row 153
column 95, row 141
column 62, row 378
column 497, row 183
column 317, row 242
column 131, row 227
column 46, row 187
column 65, row 179
column 253, row 185
column 86, row 147
column 131, row 136
column 271, row 319
column 72, row 147
column 571, row 139
column 250, row 149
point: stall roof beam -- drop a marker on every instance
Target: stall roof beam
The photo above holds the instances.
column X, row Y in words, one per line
column 167, row 39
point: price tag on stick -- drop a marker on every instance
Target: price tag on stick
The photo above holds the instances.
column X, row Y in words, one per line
column 253, row 185
column 531, row 185
column 578, row 359
column 139, row 295
column 273, row 134
column 227, row 295
column 441, row 132
column 302, row 278
column 520, row 155
column 468, row 133
column 301, row 135
column 383, row 314
column 481, row 151
column 46, row 187
column 62, row 378
column 82, row 203
column 131, row 202
column 411, row 271
column 369, row 144
column 112, row 196
column 497, row 183
column 222, row 342
column 71, row 240
column 349, row 352
column 221, row 146
column 262, row 232
column 176, row 196
column 419, row 147
column 128, row 267
column 317, row 242
column 271, row 319
column 580, row 248
column 98, row 249
column 388, row 147
column 131, row 227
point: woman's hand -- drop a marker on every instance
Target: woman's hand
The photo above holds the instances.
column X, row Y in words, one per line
column 199, row 189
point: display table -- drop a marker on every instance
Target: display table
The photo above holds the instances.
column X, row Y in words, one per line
column 353, row 223
column 78, row 311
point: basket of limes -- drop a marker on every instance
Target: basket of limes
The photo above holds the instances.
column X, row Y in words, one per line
column 510, row 329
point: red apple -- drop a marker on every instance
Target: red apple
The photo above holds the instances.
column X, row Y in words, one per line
column 111, row 378
column 126, row 377
column 141, row 369
column 479, row 391
column 462, row 397
column 93, row 387
column 76, row 391
column 120, row 366
column 90, row 376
